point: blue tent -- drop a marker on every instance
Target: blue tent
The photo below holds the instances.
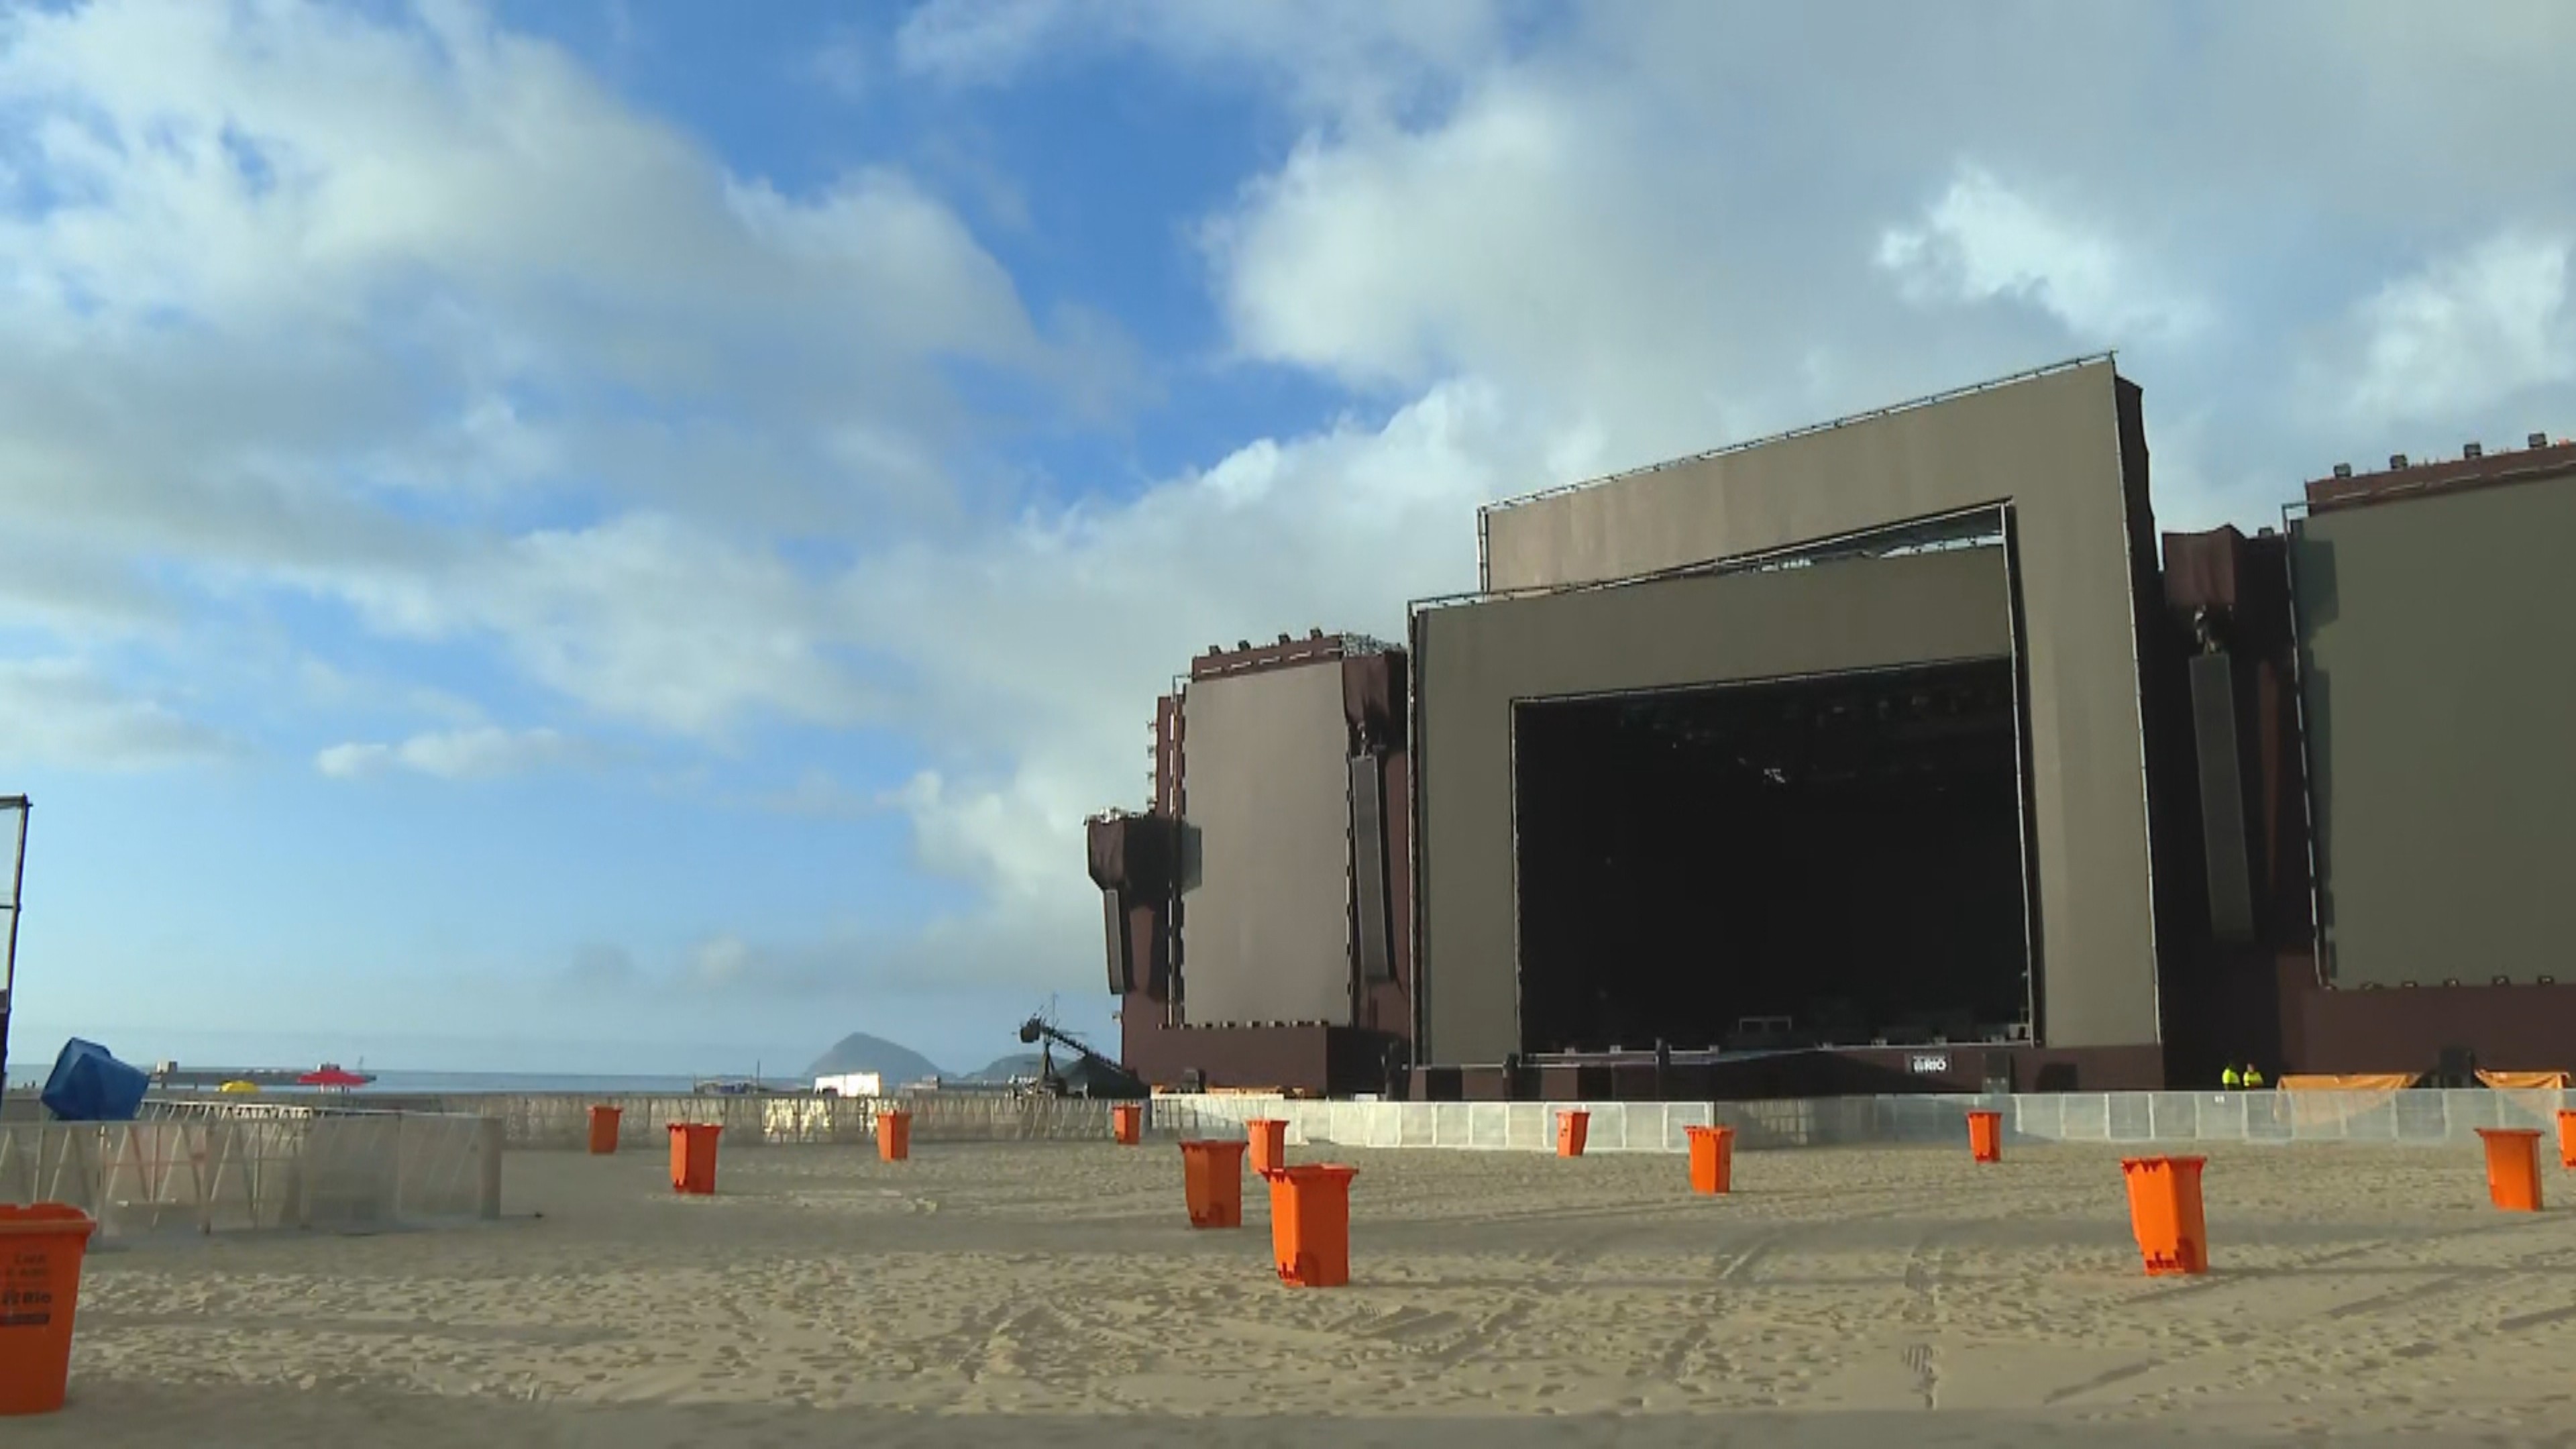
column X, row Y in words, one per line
column 91, row 1085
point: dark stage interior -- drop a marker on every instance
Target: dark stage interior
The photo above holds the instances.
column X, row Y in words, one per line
column 1825, row 861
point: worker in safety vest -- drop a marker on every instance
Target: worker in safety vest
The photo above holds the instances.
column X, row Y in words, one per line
column 2253, row 1078
column 2231, row 1079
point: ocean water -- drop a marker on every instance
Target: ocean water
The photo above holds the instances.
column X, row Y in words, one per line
column 23, row 1074
column 390, row 1080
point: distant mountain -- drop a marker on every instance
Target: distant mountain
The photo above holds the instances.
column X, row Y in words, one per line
column 1021, row 1064
column 860, row 1052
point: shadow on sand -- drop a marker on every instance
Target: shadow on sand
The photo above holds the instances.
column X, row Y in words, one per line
column 283, row 1417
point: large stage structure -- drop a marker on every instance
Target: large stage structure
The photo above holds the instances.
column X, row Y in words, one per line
column 2381, row 709
column 1255, row 911
column 1886, row 755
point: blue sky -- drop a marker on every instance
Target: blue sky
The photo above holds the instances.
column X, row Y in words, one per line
column 628, row 536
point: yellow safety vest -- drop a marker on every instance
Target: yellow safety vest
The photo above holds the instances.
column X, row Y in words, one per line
column 2253, row 1078
column 2227, row 1078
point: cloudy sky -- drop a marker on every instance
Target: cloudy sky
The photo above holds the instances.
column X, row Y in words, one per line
column 626, row 535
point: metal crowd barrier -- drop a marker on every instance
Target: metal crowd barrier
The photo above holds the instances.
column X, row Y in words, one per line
column 225, row 1167
column 560, row 1121
column 2427, row 1117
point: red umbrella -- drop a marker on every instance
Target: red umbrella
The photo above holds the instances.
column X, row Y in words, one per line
column 332, row 1076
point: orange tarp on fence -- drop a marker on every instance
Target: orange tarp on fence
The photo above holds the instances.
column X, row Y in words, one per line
column 2400, row 1081
column 2350, row 1082
column 2319, row 1101
column 2523, row 1081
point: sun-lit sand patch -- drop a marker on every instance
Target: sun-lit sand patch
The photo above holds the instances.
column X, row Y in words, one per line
column 988, row 1294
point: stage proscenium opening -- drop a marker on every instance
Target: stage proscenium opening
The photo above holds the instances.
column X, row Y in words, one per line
column 1830, row 860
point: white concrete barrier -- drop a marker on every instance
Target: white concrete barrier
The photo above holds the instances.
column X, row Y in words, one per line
column 2429, row 1117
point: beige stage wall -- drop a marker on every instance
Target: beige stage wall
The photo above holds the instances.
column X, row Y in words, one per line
column 1474, row 661
column 2438, row 677
column 2067, row 451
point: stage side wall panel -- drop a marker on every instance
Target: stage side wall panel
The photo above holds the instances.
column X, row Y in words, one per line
column 2438, row 674
column 2052, row 446
column 1477, row 659
column 1265, row 919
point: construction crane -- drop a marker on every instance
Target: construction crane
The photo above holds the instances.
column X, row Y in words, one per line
column 1089, row 1074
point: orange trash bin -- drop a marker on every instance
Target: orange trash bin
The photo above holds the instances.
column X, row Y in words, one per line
column 693, row 1157
column 2513, row 1167
column 1127, row 1123
column 894, row 1136
column 603, row 1130
column 41, row 1247
column 2165, row 1213
column 1212, row 1175
column 1712, row 1158
column 1310, row 1224
column 2567, row 1139
column 1268, row 1139
column 1986, row 1136
column 1571, row 1130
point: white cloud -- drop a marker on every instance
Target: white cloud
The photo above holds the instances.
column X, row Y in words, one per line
column 75, row 591
column 64, row 713
column 1329, row 56
column 726, row 961
column 852, row 964
column 295, row 294
column 287, row 163
column 644, row 618
column 818, row 793
column 2469, row 330
column 970, row 40
column 466, row 754
column 1658, row 228
column 327, row 685
column 1524, row 241
column 1982, row 241
column 465, row 285
column 1352, row 258
column 1038, row 653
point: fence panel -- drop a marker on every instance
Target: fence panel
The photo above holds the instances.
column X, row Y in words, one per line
column 153, row 1175
column 350, row 1174
column 202, row 1168
column 2126, row 1119
column 2535, row 1109
column 561, row 1121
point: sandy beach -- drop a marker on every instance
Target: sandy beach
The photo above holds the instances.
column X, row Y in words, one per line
column 1023, row 1294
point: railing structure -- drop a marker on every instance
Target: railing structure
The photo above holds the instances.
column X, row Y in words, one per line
column 232, row 1166
column 2430, row 1118
column 560, row 1121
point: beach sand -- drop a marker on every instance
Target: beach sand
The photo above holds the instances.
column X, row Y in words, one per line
column 1040, row 1293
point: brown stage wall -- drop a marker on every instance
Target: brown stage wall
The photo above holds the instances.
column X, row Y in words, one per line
column 2511, row 1028
column 1302, row 1059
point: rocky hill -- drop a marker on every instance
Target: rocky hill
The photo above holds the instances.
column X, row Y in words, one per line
column 1018, row 1064
column 860, row 1052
